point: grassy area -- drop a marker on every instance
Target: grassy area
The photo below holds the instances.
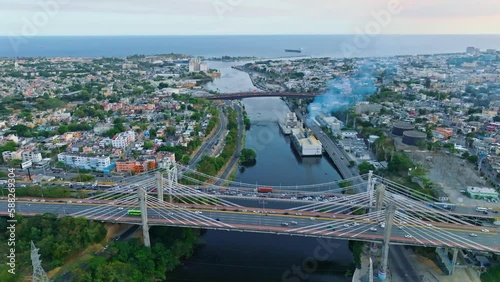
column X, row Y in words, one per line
column 493, row 274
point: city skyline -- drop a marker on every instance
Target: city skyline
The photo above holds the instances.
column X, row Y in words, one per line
column 237, row 17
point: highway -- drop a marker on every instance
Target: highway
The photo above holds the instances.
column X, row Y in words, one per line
column 257, row 221
column 211, row 141
column 236, row 156
column 241, row 95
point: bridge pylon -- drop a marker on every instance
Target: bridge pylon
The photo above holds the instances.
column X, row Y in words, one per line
column 159, row 186
column 369, row 190
column 144, row 216
column 389, row 217
column 380, row 196
column 171, row 178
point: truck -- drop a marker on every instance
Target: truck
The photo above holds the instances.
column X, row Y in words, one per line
column 265, row 190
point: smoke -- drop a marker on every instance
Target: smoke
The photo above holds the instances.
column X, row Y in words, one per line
column 343, row 92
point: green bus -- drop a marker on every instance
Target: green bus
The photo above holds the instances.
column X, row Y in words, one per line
column 134, row 212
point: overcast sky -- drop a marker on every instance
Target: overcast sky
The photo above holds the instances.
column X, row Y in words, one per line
column 188, row 17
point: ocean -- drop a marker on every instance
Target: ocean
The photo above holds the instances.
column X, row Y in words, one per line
column 262, row 46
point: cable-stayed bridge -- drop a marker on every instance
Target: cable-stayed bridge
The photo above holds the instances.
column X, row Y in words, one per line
column 325, row 210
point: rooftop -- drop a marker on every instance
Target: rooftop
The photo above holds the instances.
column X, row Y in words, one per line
column 482, row 190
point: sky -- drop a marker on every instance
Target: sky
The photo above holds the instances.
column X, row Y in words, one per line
column 235, row 17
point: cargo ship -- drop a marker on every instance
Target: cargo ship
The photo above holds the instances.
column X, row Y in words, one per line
column 289, row 123
column 305, row 143
column 294, row 50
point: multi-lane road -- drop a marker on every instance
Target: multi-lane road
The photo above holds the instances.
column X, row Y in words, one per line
column 276, row 221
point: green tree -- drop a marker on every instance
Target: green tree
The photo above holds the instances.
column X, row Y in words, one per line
column 365, row 167
column 248, row 157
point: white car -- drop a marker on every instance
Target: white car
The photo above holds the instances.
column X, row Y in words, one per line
column 400, row 227
column 428, row 225
column 294, row 222
column 346, row 225
column 312, row 218
column 120, row 208
column 473, row 235
column 408, row 236
column 485, row 230
column 373, row 229
column 298, row 213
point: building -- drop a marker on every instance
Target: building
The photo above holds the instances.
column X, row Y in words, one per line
column 442, row 133
column 33, row 156
column 195, row 65
column 12, row 155
column 135, row 166
column 332, row 123
column 98, row 163
column 470, row 50
column 123, row 139
column 482, row 193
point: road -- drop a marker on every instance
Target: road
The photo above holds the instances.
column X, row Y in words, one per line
column 257, row 220
column 235, row 158
column 211, row 141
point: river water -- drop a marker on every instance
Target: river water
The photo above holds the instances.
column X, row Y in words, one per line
column 247, row 257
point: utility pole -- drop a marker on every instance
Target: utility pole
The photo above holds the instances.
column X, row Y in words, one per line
column 39, row 274
column 144, row 216
column 159, row 186
column 389, row 217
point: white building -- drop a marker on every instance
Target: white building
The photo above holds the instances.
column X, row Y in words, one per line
column 33, row 156
column 84, row 162
column 123, row 139
column 332, row 123
column 11, row 155
column 195, row 65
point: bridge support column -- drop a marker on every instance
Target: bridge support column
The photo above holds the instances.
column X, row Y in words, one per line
column 454, row 261
column 389, row 217
column 144, row 216
column 380, row 197
column 172, row 178
column 159, row 186
column 369, row 189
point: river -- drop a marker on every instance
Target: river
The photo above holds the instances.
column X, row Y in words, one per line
column 248, row 257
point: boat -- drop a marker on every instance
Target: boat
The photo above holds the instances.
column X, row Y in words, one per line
column 289, row 123
column 305, row 143
column 294, row 50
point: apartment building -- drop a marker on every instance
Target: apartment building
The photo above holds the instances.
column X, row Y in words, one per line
column 98, row 163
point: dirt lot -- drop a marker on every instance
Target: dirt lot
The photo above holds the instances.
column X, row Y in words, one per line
column 452, row 174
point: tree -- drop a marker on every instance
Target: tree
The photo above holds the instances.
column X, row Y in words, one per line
column 248, row 157
column 148, row 145
column 473, row 158
column 365, row 167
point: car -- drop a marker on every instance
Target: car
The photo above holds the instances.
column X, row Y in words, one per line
column 408, row 236
column 485, row 212
column 284, row 224
column 294, row 222
column 331, row 227
column 494, row 211
column 373, row 229
column 428, row 225
column 473, row 235
column 485, row 230
column 346, row 225
column 332, row 216
column 312, row 218
column 400, row 227
column 217, row 219
column 120, row 208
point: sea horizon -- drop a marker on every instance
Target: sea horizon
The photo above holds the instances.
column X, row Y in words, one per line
column 261, row 46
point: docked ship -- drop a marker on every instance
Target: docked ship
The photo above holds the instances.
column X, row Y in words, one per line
column 305, row 143
column 294, row 50
column 289, row 123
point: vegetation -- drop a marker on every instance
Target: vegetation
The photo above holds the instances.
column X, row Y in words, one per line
column 58, row 239
column 356, row 248
column 83, row 177
column 491, row 275
column 248, row 157
column 365, row 167
column 131, row 261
